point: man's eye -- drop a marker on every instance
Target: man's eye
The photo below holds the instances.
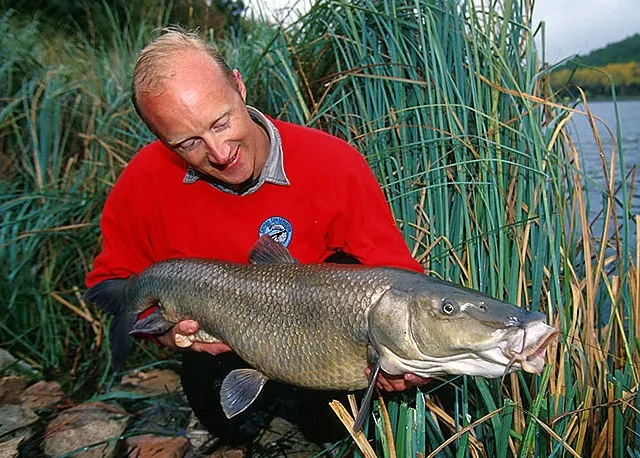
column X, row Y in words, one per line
column 188, row 145
column 220, row 125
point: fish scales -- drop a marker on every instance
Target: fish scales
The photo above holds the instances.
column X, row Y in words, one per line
column 319, row 326
column 304, row 325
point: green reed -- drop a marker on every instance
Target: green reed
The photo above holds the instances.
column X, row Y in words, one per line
column 451, row 106
column 67, row 130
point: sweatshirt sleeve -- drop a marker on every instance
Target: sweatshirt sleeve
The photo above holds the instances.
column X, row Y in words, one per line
column 364, row 226
column 126, row 248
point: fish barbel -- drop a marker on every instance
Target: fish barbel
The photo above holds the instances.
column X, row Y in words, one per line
column 320, row 326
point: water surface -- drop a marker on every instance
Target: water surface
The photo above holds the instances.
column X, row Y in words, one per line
column 626, row 138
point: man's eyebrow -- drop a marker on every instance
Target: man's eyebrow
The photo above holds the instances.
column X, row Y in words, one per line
column 176, row 143
column 223, row 115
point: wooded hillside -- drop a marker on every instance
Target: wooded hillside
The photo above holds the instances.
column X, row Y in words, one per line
column 617, row 64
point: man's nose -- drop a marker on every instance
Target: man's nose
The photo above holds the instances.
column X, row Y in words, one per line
column 218, row 151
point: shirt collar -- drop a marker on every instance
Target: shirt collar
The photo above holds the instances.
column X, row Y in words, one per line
column 273, row 170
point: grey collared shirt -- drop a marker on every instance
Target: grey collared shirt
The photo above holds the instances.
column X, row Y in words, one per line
column 272, row 172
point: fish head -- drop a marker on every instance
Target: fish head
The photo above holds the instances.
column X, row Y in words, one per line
column 442, row 328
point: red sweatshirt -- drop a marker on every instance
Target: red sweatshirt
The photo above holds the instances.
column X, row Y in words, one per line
column 333, row 203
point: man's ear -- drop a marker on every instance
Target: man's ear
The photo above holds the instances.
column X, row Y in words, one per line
column 240, row 84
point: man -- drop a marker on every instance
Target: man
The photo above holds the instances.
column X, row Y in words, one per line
column 220, row 175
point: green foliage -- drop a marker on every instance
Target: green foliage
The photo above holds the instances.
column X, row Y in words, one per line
column 66, row 129
column 621, row 52
column 624, row 79
column 94, row 18
column 219, row 15
column 446, row 100
column 614, row 69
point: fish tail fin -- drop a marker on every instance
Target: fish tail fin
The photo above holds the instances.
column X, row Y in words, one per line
column 112, row 296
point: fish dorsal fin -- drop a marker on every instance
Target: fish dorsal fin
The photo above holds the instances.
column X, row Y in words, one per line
column 268, row 251
column 239, row 389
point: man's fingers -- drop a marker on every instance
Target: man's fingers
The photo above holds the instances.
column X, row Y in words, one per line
column 414, row 380
column 182, row 335
column 385, row 384
column 189, row 341
column 211, row 348
column 186, row 327
column 388, row 382
column 183, row 341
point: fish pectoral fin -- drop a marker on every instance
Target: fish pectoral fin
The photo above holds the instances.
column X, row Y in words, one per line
column 366, row 401
column 239, row 389
column 153, row 324
column 268, row 251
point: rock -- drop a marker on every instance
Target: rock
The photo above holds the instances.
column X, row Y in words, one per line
column 151, row 383
column 41, row 394
column 164, row 415
column 198, row 435
column 228, row 453
column 156, row 446
column 282, row 438
column 6, row 359
column 96, row 426
column 11, row 387
column 9, row 449
column 15, row 421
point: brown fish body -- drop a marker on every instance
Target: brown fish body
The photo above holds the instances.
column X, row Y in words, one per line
column 300, row 324
column 319, row 326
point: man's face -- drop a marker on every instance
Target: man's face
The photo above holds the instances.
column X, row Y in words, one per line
column 201, row 115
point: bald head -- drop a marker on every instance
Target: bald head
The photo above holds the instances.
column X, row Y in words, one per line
column 161, row 59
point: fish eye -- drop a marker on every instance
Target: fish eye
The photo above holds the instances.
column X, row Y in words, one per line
column 482, row 306
column 448, row 307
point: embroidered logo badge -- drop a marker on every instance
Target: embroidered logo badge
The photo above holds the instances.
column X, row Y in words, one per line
column 278, row 228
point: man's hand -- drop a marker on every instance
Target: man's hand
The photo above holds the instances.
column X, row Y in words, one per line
column 180, row 336
column 389, row 382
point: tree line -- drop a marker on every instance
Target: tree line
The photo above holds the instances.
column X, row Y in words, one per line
column 612, row 70
column 96, row 18
column 624, row 78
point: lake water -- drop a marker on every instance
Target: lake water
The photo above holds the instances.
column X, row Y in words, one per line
column 582, row 134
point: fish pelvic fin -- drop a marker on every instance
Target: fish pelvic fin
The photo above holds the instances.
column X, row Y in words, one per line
column 239, row 389
column 363, row 412
column 376, row 364
column 268, row 251
column 153, row 324
column 111, row 296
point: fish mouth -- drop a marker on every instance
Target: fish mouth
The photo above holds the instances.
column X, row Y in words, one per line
column 530, row 352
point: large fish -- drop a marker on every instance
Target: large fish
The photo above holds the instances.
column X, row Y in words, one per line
column 320, row 325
